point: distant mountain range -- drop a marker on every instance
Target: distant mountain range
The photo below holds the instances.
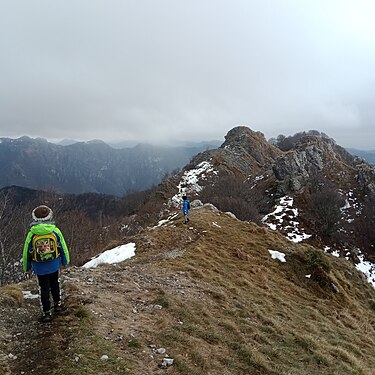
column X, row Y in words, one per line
column 93, row 166
column 367, row 155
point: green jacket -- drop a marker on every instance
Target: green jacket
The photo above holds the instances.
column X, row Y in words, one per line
column 44, row 267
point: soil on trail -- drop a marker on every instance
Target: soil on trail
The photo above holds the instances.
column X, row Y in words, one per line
column 30, row 347
column 124, row 305
column 112, row 308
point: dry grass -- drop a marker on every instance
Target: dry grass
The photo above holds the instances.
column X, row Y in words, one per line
column 227, row 307
column 260, row 316
column 11, row 295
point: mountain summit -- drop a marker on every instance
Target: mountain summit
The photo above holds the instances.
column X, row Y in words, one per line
column 317, row 185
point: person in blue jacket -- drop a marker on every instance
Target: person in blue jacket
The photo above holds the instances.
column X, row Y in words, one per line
column 44, row 252
column 185, row 208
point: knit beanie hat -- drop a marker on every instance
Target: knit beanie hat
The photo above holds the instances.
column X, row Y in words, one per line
column 42, row 213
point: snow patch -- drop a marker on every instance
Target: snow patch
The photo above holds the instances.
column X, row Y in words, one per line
column 166, row 221
column 116, row 255
column 364, row 266
column 351, row 208
column 190, row 180
column 29, row 295
column 285, row 218
column 277, row 255
column 367, row 268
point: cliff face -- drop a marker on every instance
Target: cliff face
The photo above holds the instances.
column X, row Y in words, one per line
column 314, row 157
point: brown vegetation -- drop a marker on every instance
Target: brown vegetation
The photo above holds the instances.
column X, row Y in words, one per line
column 225, row 307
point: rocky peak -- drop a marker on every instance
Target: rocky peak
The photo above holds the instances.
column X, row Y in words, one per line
column 312, row 155
column 245, row 141
column 244, row 152
column 239, row 134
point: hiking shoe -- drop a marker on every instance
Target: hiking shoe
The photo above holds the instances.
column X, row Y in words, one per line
column 58, row 307
column 46, row 317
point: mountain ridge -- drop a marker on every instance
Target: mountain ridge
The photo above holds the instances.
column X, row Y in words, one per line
column 321, row 177
column 210, row 297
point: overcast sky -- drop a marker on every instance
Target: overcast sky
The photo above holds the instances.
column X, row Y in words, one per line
column 161, row 70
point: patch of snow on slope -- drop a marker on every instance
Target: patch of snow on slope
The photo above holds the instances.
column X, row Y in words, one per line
column 27, row 294
column 333, row 252
column 190, row 180
column 257, row 179
column 166, row 221
column 277, row 255
column 364, row 266
column 116, row 255
column 285, row 219
column 367, row 268
column 351, row 207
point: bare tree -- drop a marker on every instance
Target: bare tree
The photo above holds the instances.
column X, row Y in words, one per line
column 13, row 230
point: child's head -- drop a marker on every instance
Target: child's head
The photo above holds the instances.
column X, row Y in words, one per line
column 42, row 213
column 184, row 197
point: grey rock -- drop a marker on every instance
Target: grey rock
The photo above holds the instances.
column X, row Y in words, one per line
column 167, row 362
column 210, row 207
column 196, row 203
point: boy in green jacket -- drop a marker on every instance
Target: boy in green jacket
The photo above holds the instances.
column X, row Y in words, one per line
column 44, row 252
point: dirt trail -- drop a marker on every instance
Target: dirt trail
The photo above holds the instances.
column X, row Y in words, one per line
column 25, row 339
column 124, row 303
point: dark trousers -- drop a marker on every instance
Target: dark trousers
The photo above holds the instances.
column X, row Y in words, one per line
column 49, row 283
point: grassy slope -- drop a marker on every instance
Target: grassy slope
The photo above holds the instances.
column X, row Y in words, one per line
column 227, row 307
column 263, row 316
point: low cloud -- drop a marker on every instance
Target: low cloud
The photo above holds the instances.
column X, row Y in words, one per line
column 164, row 71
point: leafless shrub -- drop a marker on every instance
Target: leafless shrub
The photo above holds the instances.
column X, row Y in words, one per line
column 325, row 203
column 13, row 229
column 234, row 195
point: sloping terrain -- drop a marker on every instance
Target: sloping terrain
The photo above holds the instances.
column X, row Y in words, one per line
column 333, row 191
column 211, row 295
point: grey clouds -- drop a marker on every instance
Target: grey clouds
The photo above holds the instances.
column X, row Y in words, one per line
column 158, row 71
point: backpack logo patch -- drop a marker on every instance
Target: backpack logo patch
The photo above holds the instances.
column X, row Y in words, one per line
column 45, row 247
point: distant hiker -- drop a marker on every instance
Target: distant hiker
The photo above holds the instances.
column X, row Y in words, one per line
column 44, row 252
column 185, row 208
